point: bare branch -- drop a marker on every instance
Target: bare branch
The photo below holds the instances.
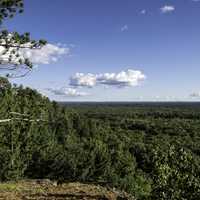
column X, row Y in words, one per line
column 19, row 76
column 5, row 120
column 19, row 46
column 21, row 119
column 16, row 113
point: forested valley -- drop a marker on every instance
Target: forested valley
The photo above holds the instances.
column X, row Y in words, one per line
column 149, row 150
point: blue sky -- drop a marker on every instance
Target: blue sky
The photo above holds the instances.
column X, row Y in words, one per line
column 109, row 39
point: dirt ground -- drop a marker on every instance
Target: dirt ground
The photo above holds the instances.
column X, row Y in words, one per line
column 48, row 190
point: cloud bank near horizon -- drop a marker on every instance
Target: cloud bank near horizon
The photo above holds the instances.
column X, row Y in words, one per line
column 67, row 92
column 195, row 95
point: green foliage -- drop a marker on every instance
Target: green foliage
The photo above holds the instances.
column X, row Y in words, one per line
column 127, row 147
column 175, row 174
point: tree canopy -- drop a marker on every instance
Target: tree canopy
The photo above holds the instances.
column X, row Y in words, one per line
column 150, row 151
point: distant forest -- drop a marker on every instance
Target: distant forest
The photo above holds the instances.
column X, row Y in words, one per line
column 149, row 150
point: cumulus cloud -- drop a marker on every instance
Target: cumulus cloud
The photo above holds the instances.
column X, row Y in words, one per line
column 47, row 54
column 80, row 79
column 167, row 9
column 124, row 28
column 67, row 92
column 121, row 79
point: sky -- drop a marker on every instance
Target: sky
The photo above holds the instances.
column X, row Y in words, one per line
column 113, row 50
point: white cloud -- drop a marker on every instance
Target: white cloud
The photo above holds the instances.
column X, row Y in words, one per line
column 167, row 9
column 143, row 12
column 121, row 79
column 124, row 28
column 47, row 54
column 124, row 78
column 67, row 92
column 80, row 79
